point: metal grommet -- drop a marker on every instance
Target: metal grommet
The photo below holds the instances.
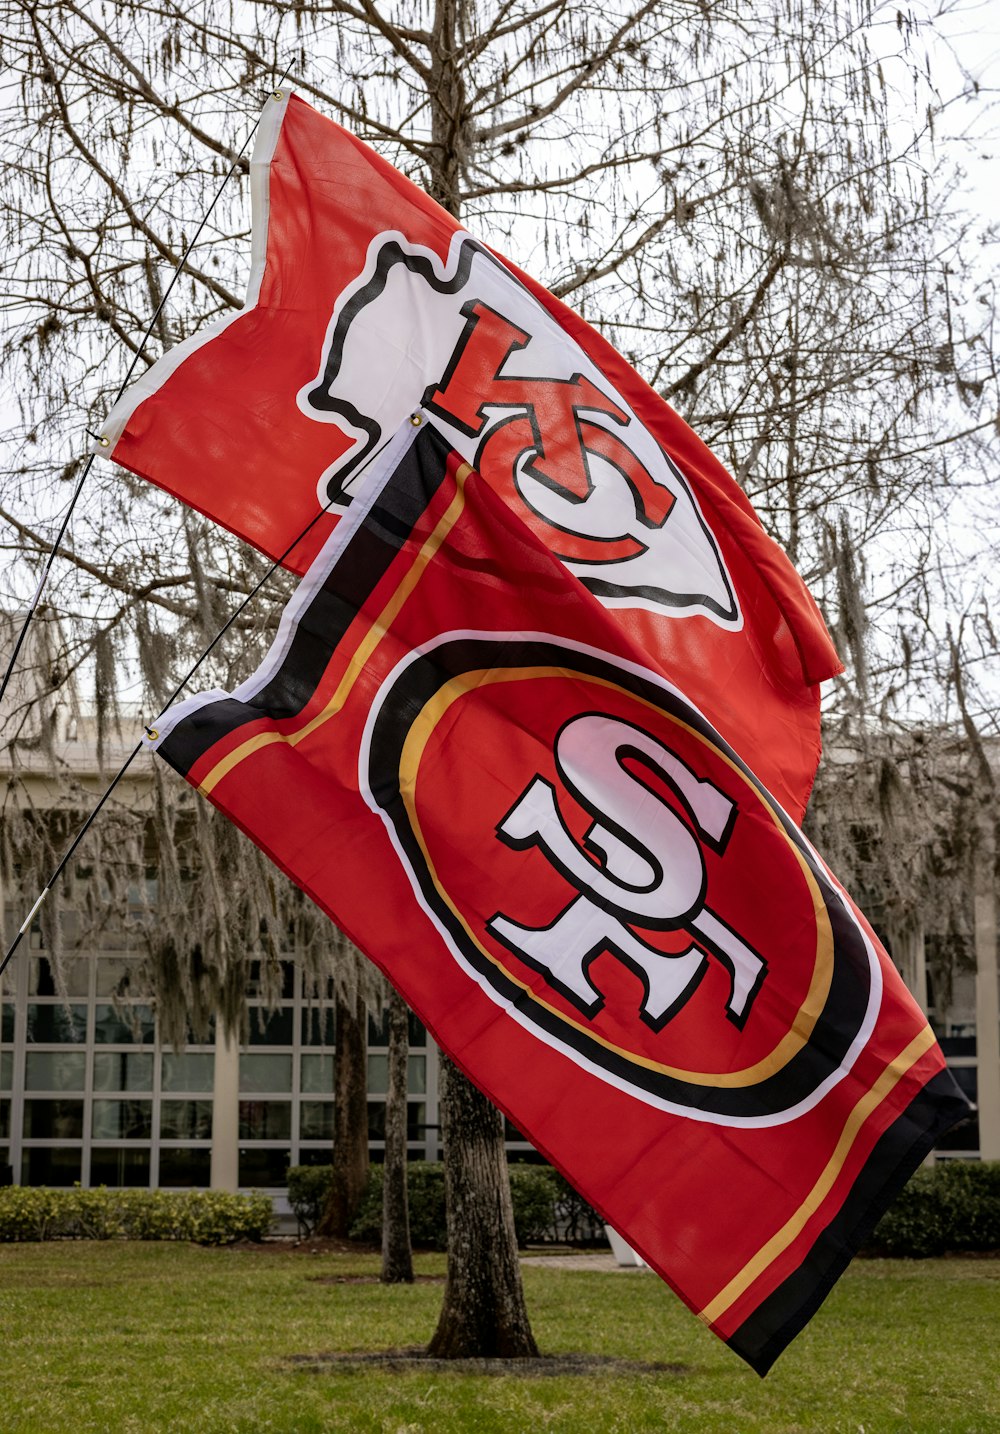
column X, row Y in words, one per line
column 104, row 441
column 416, row 419
column 151, row 733
column 277, row 95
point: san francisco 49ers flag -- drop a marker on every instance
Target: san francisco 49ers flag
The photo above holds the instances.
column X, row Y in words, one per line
column 593, row 903
column 366, row 300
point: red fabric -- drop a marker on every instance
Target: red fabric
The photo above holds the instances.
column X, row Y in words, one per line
column 228, row 432
column 431, row 679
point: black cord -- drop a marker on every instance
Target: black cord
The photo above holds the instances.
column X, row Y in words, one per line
column 57, row 543
column 150, row 731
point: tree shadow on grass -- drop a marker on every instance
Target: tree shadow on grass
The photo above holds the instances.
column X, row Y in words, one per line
column 415, row 1361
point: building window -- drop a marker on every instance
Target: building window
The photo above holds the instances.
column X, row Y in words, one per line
column 119, row 1165
column 316, row 1120
column 264, row 1168
column 260, row 1073
column 185, row 1166
column 129, row 1025
column 53, row 1119
column 265, row 1120
column 122, row 1120
column 59, row 1165
column 54, row 1070
column 56, row 1024
column 193, row 1070
column 186, row 1119
column 123, row 1070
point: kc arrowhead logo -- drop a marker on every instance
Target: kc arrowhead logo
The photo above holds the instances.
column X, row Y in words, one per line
column 641, row 904
column 520, row 400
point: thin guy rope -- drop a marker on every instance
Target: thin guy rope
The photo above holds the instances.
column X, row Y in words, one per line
column 67, row 855
column 57, row 543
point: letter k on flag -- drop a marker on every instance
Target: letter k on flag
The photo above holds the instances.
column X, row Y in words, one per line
column 367, row 301
column 596, row 907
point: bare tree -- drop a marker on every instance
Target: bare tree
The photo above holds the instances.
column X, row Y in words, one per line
column 722, row 191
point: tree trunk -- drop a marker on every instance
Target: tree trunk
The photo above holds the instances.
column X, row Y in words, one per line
column 484, row 1313
column 350, row 1116
column 397, row 1257
column 987, row 1002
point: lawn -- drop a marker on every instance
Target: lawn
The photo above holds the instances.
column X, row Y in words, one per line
column 161, row 1337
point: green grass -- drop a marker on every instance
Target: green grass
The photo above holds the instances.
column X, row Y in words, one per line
column 159, row 1337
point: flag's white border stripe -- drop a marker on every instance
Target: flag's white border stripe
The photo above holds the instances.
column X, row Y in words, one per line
column 382, row 469
column 268, row 130
column 506, row 1004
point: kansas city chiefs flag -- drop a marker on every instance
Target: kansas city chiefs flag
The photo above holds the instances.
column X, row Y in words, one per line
column 593, row 903
column 367, row 300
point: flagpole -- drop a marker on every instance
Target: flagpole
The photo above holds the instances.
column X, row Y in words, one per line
column 100, row 438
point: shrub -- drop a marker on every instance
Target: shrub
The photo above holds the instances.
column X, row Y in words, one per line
column 206, row 1217
column 953, row 1206
column 577, row 1223
column 308, row 1189
column 534, row 1193
column 425, row 1190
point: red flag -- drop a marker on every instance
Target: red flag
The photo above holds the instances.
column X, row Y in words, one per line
column 366, row 301
column 595, row 906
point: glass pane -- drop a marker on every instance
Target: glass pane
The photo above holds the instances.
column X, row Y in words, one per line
column 53, row 1119
column 265, row 1073
column 317, row 1075
column 318, row 1155
column 279, row 1027
column 4, row 1119
column 122, row 1119
column 57, row 1024
column 317, row 1027
column 7, row 1022
column 119, row 1166
column 964, row 1136
column 194, row 1070
column 378, row 1028
column 418, row 1036
column 54, row 1070
column 265, row 1120
column 378, row 1074
column 123, row 1070
column 186, row 1119
column 6, row 1070
column 132, row 1025
column 42, row 978
column 114, row 975
column 51, row 1167
column 316, row 1120
column 260, row 1167
column 415, row 1120
column 181, row 1166
column 262, row 979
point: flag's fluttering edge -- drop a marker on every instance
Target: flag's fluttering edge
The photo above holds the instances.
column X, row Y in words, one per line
column 367, row 300
column 596, row 907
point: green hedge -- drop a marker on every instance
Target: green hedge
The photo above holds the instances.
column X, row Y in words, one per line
column 951, row 1206
column 308, row 1187
column 206, row 1217
column 543, row 1205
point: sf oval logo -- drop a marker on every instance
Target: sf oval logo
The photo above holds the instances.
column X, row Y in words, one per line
column 605, row 868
